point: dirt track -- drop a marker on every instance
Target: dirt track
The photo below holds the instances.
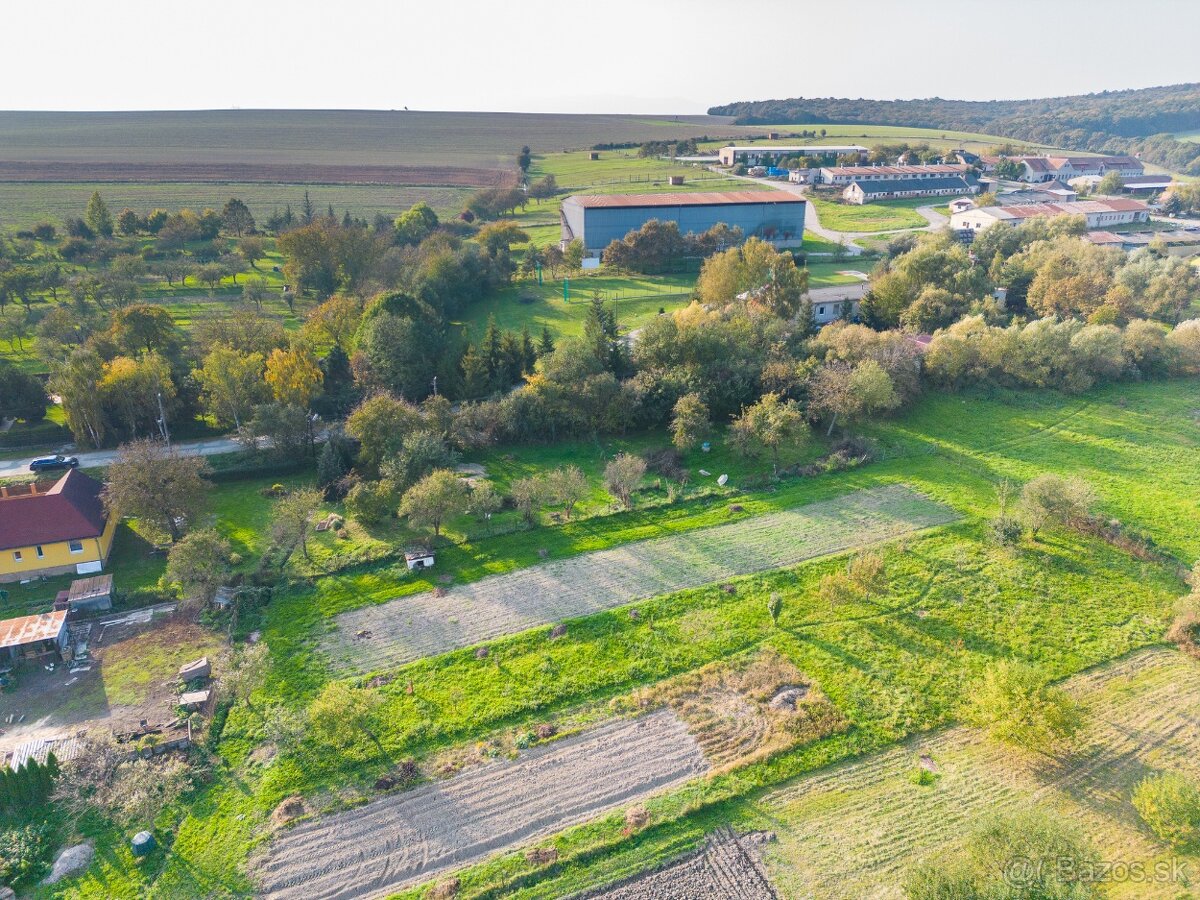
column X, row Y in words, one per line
column 412, row 837
column 410, row 628
column 725, row 869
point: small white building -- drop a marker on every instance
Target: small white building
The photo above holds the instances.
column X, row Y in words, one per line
column 826, row 311
column 962, row 204
column 419, row 559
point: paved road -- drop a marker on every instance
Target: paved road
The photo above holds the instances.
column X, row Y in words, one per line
column 210, row 447
column 812, row 219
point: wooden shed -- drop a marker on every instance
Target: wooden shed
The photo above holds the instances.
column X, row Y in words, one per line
column 91, row 594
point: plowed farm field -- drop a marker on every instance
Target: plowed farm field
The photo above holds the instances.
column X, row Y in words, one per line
column 414, row 836
column 410, row 628
column 728, row 868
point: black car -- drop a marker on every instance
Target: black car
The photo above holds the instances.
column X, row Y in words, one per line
column 48, row 463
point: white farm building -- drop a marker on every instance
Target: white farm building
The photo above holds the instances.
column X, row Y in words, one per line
column 1099, row 214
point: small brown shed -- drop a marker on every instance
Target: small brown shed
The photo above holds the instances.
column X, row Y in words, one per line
column 91, row 594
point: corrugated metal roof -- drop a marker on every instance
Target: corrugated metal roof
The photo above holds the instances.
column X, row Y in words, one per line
column 39, row 749
column 730, row 198
column 27, row 629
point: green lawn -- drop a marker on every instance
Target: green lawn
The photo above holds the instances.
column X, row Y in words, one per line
column 636, row 299
column 888, row 215
column 822, row 273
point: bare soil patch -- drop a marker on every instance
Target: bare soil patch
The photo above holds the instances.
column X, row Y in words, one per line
column 131, row 676
column 736, row 713
column 726, row 869
column 416, row 836
column 410, row 628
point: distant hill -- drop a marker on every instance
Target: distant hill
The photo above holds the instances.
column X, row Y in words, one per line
column 1134, row 121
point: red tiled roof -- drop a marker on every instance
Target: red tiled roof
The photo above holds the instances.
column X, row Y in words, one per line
column 71, row 510
column 27, row 629
column 594, row 201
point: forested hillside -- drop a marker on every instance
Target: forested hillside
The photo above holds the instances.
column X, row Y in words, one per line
column 1134, row 121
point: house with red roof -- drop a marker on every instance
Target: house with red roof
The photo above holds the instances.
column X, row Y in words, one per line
column 54, row 531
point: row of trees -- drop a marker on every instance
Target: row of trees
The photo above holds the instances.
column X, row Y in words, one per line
column 932, row 281
column 1135, row 121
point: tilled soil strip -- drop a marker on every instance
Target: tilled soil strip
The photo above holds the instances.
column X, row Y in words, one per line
column 410, row 628
column 724, row 870
column 402, row 840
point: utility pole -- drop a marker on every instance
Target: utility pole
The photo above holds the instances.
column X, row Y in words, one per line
column 162, row 422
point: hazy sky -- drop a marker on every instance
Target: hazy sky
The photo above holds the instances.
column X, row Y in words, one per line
column 639, row 56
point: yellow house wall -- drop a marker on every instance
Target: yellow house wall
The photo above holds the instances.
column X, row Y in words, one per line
column 56, row 555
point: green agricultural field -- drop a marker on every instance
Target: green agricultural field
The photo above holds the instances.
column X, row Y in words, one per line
column 25, row 204
column 869, row 135
column 329, row 137
column 889, row 215
column 893, row 664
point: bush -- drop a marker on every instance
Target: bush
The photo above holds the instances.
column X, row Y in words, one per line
column 1053, row 500
column 371, row 502
column 1004, row 530
column 1169, row 804
column 1016, row 705
column 23, row 851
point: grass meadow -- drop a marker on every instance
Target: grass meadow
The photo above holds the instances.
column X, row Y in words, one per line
column 888, row 215
column 893, row 665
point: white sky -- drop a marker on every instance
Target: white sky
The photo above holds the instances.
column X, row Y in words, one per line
column 631, row 56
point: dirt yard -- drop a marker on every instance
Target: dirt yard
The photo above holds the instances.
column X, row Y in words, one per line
column 130, row 677
column 728, row 868
column 854, row 830
column 408, row 838
column 410, row 628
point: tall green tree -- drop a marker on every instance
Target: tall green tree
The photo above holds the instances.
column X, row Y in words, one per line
column 98, row 218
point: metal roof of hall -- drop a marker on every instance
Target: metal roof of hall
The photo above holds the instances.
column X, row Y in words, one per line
column 599, row 201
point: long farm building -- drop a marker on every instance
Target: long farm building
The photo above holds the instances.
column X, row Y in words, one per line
column 598, row 220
